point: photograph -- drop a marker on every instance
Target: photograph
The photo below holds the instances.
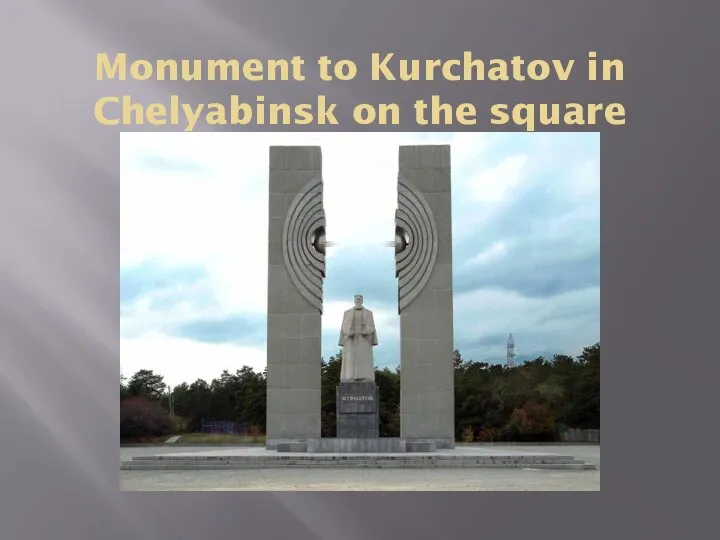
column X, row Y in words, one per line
column 359, row 311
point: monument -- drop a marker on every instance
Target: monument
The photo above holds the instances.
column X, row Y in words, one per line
column 357, row 398
column 423, row 264
column 296, row 272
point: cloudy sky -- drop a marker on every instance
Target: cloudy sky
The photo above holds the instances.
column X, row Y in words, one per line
column 526, row 236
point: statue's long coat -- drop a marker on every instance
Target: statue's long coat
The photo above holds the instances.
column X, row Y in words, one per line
column 357, row 358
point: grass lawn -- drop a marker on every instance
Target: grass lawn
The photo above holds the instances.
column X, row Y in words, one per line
column 220, row 438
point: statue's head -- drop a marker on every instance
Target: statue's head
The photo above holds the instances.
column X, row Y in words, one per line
column 358, row 300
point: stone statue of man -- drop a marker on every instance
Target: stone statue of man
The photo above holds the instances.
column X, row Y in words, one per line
column 357, row 338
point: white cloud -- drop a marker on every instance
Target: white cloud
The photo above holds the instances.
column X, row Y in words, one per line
column 495, row 184
column 185, row 360
column 496, row 251
column 214, row 215
column 141, row 314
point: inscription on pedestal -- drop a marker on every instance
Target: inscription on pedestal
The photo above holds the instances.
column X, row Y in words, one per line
column 358, row 410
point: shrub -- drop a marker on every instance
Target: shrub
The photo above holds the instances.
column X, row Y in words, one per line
column 532, row 422
column 490, row 434
column 141, row 418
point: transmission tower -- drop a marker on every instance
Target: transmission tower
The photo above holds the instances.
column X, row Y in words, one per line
column 510, row 359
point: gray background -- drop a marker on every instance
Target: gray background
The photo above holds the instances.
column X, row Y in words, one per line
column 59, row 233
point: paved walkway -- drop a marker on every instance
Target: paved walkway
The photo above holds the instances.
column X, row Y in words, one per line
column 368, row 479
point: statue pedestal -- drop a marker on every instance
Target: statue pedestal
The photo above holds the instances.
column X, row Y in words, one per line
column 358, row 410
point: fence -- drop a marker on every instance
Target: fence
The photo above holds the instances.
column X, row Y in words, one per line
column 224, row 427
column 581, row 435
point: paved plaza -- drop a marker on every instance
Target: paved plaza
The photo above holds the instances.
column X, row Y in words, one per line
column 333, row 479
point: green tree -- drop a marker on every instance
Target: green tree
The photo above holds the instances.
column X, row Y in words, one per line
column 146, row 383
column 124, row 393
column 388, row 382
column 251, row 396
column 193, row 403
column 329, row 377
column 533, row 401
column 588, row 405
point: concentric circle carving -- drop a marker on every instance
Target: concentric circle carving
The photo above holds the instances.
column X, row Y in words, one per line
column 416, row 243
column 304, row 243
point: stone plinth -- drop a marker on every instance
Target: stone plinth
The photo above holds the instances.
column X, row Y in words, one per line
column 377, row 445
column 421, row 445
column 358, row 410
column 369, row 445
column 291, row 446
column 471, row 456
